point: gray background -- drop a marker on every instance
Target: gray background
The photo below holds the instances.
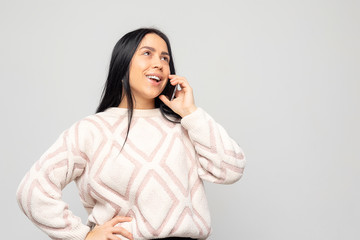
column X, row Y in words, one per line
column 282, row 77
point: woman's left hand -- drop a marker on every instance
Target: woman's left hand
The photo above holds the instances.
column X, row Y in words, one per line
column 183, row 103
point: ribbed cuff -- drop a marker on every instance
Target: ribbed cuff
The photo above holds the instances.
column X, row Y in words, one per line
column 79, row 233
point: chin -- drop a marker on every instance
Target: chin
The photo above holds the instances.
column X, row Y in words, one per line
column 152, row 96
column 152, row 93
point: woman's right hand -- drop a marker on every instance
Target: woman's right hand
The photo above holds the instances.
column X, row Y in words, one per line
column 108, row 230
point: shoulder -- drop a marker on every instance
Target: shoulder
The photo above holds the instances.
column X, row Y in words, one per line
column 93, row 129
column 95, row 124
column 101, row 120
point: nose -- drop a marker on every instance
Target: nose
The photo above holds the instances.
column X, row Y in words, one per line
column 157, row 63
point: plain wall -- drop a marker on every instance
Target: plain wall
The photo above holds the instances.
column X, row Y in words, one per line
column 282, row 77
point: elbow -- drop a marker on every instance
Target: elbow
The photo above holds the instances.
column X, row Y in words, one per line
column 232, row 173
column 20, row 193
column 236, row 177
column 20, row 198
column 231, row 177
column 237, row 171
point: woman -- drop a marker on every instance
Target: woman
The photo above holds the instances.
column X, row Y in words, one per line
column 139, row 162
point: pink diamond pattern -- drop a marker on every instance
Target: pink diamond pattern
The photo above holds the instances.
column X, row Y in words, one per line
column 151, row 188
column 119, row 182
column 187, row 216
column 173, row 160
column 140, row 186
column 152, row 131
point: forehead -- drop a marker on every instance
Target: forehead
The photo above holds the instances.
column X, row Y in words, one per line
column 155, row 41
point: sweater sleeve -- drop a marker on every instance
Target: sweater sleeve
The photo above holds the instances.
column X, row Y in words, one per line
column 39, row 192
column 220, row 158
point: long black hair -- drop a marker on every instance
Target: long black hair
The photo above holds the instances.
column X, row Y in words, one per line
column 118, row 76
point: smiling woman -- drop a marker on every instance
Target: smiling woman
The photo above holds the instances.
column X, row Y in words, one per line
column 149, row 71
column 139, row 162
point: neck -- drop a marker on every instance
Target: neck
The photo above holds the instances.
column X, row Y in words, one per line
column 138, row 104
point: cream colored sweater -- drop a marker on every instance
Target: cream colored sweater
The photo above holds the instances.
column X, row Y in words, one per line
column 157, row 178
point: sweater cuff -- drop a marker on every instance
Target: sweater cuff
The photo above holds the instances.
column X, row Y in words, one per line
column 194, row 120
column 79, row 233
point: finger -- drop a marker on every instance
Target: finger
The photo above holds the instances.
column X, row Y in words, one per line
column 123, row 232
column 112, row 237
column 119, row 219
column 165, row 100
column 176, row 77
column 173, row 80
column 178, row 93
column 181, row 79
column 171, row 76
column 183, row 83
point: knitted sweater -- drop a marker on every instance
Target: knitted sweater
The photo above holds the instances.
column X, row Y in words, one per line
column 157, row 178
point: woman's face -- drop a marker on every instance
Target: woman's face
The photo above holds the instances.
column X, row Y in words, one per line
column 150, row 60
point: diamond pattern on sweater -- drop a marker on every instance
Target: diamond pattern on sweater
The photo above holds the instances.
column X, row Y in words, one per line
column 156, row 178
column 186, row 222
column 152, row 132
column 118, row 174
column 173, row 162
column 155, row 198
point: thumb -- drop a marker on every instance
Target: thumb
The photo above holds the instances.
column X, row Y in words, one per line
column 165, row 100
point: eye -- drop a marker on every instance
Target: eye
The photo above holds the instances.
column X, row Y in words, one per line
column 166, row 59
column 147, row 52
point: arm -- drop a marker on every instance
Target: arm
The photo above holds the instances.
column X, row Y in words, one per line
column 39, row 193
column 221, row 160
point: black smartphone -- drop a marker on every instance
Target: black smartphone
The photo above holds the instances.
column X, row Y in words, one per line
column 175, row 89
column 170, row 91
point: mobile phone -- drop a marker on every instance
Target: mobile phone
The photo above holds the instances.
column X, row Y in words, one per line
column 177, row 88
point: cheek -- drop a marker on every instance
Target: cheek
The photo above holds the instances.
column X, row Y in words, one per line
column 164, row 85
column 168, row 69
column 138, row 66
column 135, row 73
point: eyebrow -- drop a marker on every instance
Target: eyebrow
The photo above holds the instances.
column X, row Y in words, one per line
column 153, row 49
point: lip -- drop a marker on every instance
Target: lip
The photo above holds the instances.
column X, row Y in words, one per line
column 155, row 74
column 153, row 82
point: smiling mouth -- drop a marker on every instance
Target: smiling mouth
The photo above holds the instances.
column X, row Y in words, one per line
column 154, row 78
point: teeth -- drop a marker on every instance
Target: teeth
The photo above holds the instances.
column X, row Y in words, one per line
column 153, row 77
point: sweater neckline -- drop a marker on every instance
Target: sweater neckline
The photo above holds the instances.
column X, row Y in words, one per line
column 117, row 111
